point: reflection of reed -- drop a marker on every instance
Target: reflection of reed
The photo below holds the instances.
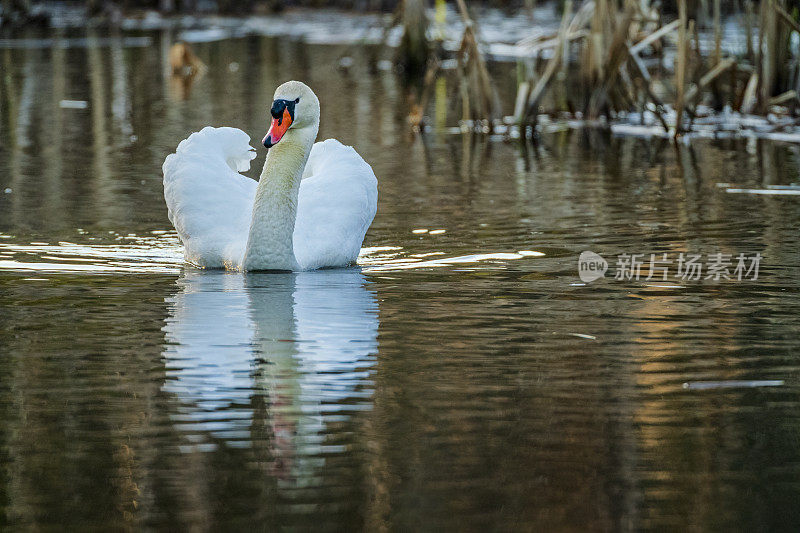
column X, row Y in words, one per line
column 120, row 100
column 10, row 107
column 52, row 155
column 79, row 411
column 101, row 168
column 27, row 98
column 180, row 86
column 185, row 69
column 203, row 102
column 183, row 60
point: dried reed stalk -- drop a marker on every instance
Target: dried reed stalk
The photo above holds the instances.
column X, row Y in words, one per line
column 680, row 66
column 655, row 36
column 477, row 92
column 647, row 83
column 615, row 57
column 414, row 47
column 528, row 111
column 749, row 96
column 696, row 89
column 717, row 57
column 786, row 17
column 783, row 98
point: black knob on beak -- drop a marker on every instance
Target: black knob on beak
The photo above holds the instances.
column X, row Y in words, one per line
column 277, row 108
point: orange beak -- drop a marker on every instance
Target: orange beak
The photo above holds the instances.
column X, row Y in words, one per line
column 278, row 128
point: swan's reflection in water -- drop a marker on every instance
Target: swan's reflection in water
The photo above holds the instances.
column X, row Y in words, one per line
column 288, row 353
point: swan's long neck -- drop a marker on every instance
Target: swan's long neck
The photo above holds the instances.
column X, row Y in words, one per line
column 269, row 243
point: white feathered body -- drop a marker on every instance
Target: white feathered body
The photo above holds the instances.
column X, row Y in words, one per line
column 211, row 204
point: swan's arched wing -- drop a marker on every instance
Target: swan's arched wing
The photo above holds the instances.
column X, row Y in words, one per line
column 210, row 203
column 338, row 200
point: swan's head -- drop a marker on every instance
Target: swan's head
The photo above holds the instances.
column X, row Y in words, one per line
column 294, row 106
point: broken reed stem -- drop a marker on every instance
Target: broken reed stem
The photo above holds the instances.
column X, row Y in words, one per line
column 717, row 33
column 659, row 105
column 616, row 56
column 462, row 10
column 603, row 66
column 783, row 98
column 787, row 17
column 693, row 32
column 531, row 107
column 680, row 67
column 466, row 108
column 767, row 74
column 748, row 28
column 749, row 96
column 414, row 49
column 655, row 36
column 717, row 56
column 774, row 52
column 763, row 42
column 472, row 66
column 696, row 89
column 594, row 67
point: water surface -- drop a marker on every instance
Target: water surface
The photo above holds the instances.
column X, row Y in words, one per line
column 463, row 379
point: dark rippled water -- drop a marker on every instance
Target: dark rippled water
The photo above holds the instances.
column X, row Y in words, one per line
column 448, row 383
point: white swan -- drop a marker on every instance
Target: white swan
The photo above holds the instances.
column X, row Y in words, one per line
column 310, row 209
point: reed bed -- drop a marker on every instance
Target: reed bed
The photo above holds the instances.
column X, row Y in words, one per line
column 607, row 60
column 616, row 52
column 611, row 59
